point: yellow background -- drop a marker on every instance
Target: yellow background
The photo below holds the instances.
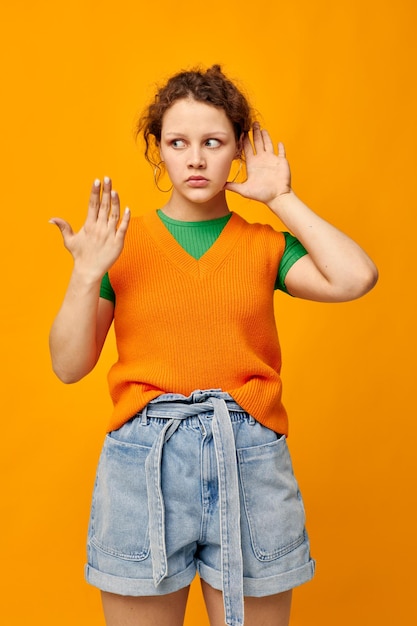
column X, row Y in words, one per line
column 336, row 82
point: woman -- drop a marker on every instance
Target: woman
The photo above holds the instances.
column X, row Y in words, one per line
column 195, row 474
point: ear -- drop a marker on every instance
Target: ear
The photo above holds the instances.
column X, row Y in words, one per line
column 159, row 148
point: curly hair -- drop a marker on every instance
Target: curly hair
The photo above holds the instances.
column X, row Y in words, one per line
column 211, row 87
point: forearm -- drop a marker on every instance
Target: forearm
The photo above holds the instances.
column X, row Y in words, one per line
column 73, row 337
column 342, row 262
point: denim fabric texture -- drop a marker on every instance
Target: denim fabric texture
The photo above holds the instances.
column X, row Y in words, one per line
column 196, row 484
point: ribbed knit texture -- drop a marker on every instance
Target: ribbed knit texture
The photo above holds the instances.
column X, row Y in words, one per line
column 184, row 324
column 195, row 237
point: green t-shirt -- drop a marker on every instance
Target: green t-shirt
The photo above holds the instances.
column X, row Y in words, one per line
column 197, row 237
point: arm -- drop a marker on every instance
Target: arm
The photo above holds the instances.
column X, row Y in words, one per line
column 80, row 328
column 336, row 269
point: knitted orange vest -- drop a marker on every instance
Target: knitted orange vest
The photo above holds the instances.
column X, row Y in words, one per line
column 183, row 324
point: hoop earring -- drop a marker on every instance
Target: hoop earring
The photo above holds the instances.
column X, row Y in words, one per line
column 156, row 177
column 238, row 172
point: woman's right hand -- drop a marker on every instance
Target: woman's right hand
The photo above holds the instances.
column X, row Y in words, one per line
column 97, row 245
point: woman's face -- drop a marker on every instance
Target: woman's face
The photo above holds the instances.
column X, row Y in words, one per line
column 198, row 146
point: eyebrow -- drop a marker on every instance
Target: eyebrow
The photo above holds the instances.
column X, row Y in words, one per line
column 215, row 132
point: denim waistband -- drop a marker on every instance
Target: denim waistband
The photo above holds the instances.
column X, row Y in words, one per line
column 175, row 408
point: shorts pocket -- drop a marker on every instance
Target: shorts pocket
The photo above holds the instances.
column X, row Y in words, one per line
column 271, row 498
column 119, row 523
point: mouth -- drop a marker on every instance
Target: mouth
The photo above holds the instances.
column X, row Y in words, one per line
column 197, row 181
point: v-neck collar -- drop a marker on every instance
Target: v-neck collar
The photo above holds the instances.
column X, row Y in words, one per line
column 176, row 254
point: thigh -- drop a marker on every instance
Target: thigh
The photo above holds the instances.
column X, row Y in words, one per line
column 271, row 610
column 168, row 610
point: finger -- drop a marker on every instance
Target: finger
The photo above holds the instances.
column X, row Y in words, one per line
column 247, row 147
column 105, row 199
column 281, row 149
column 64, row 227
column 115, row 208
column 258, row 138
column 268, row 145
column 236, row 188
column 94, row 201
column 124, row 223
column 231, row 186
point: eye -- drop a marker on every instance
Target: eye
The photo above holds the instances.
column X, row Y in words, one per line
column 178, row 143
column 213, row 143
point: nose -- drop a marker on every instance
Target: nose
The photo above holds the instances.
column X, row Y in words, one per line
column 195, row 158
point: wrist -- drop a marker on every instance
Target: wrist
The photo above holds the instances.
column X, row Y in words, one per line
column 280, row 203
column 86, row 277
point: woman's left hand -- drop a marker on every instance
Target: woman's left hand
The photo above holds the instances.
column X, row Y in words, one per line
column 268, row 174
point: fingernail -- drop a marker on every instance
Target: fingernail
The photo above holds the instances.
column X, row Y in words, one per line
column 127, row 210
column 51, row 221
column 97, row 182
column 106, row 180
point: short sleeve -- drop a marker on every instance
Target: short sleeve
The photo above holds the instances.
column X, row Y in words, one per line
column 106, row 290
column 294, row 250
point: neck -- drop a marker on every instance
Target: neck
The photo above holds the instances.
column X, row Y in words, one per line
column 179, row 208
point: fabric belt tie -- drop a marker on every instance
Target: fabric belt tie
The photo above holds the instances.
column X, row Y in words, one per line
column 224, row 444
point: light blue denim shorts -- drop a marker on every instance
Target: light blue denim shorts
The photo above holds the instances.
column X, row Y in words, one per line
column 196, row 484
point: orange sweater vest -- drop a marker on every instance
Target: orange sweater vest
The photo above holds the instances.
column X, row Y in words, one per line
column 183, row 324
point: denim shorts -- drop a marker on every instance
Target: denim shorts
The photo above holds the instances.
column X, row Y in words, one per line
column 197, row 484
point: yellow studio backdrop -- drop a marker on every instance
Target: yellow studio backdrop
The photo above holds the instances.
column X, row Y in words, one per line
column 335, row 81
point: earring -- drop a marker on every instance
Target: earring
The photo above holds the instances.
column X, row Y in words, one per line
column 157, row 174
column 238, row 172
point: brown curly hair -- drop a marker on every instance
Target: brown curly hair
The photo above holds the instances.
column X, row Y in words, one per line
column 211, row 87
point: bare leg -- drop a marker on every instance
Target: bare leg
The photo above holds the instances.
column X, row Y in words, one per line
column 168, row 610
column 267, row 611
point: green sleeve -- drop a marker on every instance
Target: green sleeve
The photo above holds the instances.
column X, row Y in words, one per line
column 106, row 290
column 294, row 250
